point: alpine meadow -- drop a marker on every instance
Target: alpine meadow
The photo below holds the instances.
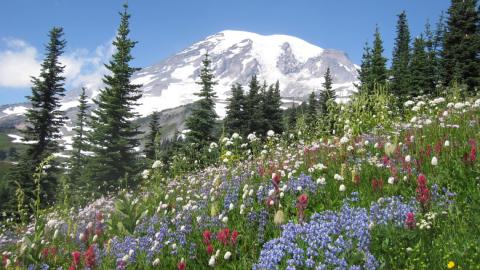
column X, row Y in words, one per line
column 242, row 150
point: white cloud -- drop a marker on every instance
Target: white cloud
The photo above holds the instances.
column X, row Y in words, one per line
column 18, row 62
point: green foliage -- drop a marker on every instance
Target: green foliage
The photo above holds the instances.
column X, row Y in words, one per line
column 43, row 121
column 114, row 135
column 152, row 138
column 236, row 116
column 79, row 145
column 400, row 82
column 201, row 122
column 461, row 48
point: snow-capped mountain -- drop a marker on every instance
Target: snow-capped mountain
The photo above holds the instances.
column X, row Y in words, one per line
column 236, row 55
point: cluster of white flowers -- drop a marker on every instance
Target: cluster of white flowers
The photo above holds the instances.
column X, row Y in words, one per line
column 427, row 222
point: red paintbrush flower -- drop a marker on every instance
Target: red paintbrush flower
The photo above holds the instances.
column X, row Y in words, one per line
column 181, row 265
column 235, row 234
column 89, row 257
column 207, row 236
column 76, row 257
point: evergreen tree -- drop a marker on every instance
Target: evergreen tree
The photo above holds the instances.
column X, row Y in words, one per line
column 327, row 103
column 364, row 74
column 327, row 95
column 438, row 42
column 152, row 137
column 253, row 106
column 263, row 123
column 401, row 57
column 292, row 117
column 461, row 48
column 43, row 121
column 378, row 70
column 114, row 135
column 235, row 119
column 274, row 112
column 311, row 115
column 431, row 62
column 419, row 69
column 202, row 120
column 79, row 145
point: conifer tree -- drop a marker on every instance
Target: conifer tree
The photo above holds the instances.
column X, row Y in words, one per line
column 292, row 117
column 79, row 145
column 419, row 69
column 364, row 74
column 152, row 137
column 431, row 61
column 461, row 48
column 312, row 112
column 253, row 106
column 274, row 113
column 114, row 135
column 327, row 95
column 263, row 123
column 378, row 70
column 401, row 57
column 201, row 122
column 327, row 103
column 235, row 119
column 43, row 121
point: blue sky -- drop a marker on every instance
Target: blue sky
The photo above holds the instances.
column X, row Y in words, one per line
column 163, row 28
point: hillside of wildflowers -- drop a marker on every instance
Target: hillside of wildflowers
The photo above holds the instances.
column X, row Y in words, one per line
column 388, row 190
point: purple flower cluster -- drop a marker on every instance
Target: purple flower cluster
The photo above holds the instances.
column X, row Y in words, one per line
column 322, row 243
column 303, row 183
column 391, row 210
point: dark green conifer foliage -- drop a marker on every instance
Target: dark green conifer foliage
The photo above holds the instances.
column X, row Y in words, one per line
column 400, row 85
column 235, row 119
column 152, row 137
column 327, row 103
column 292, row 117
column 431, row 61
column 420, row 69
column 79, row 145
column 202, row 121
column 327, row 95
column 114, row 135
column 43, row 121
column 364, row 73
column 461, row 48
column 378, row 70
column 274, row 112
column 312, row 110
column 253, row 107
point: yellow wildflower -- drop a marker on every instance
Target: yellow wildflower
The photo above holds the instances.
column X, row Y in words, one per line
column 451, row 265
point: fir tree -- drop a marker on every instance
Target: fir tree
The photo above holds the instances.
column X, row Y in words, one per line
column 378, row 70
column 114, row 135
column 419, row 69
column 292, row 117
column 201, row 122
column 263, row 123
column 235, row 119
column 253, row 106
column 461, row 48
column 43, row 121
column 274, row 113
column 327, row 103
column 327, row 95
column 401, row 58
column 364, row 74
column 152, row 137
column 79, row 144
column 431, row 61
column 311, row 115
